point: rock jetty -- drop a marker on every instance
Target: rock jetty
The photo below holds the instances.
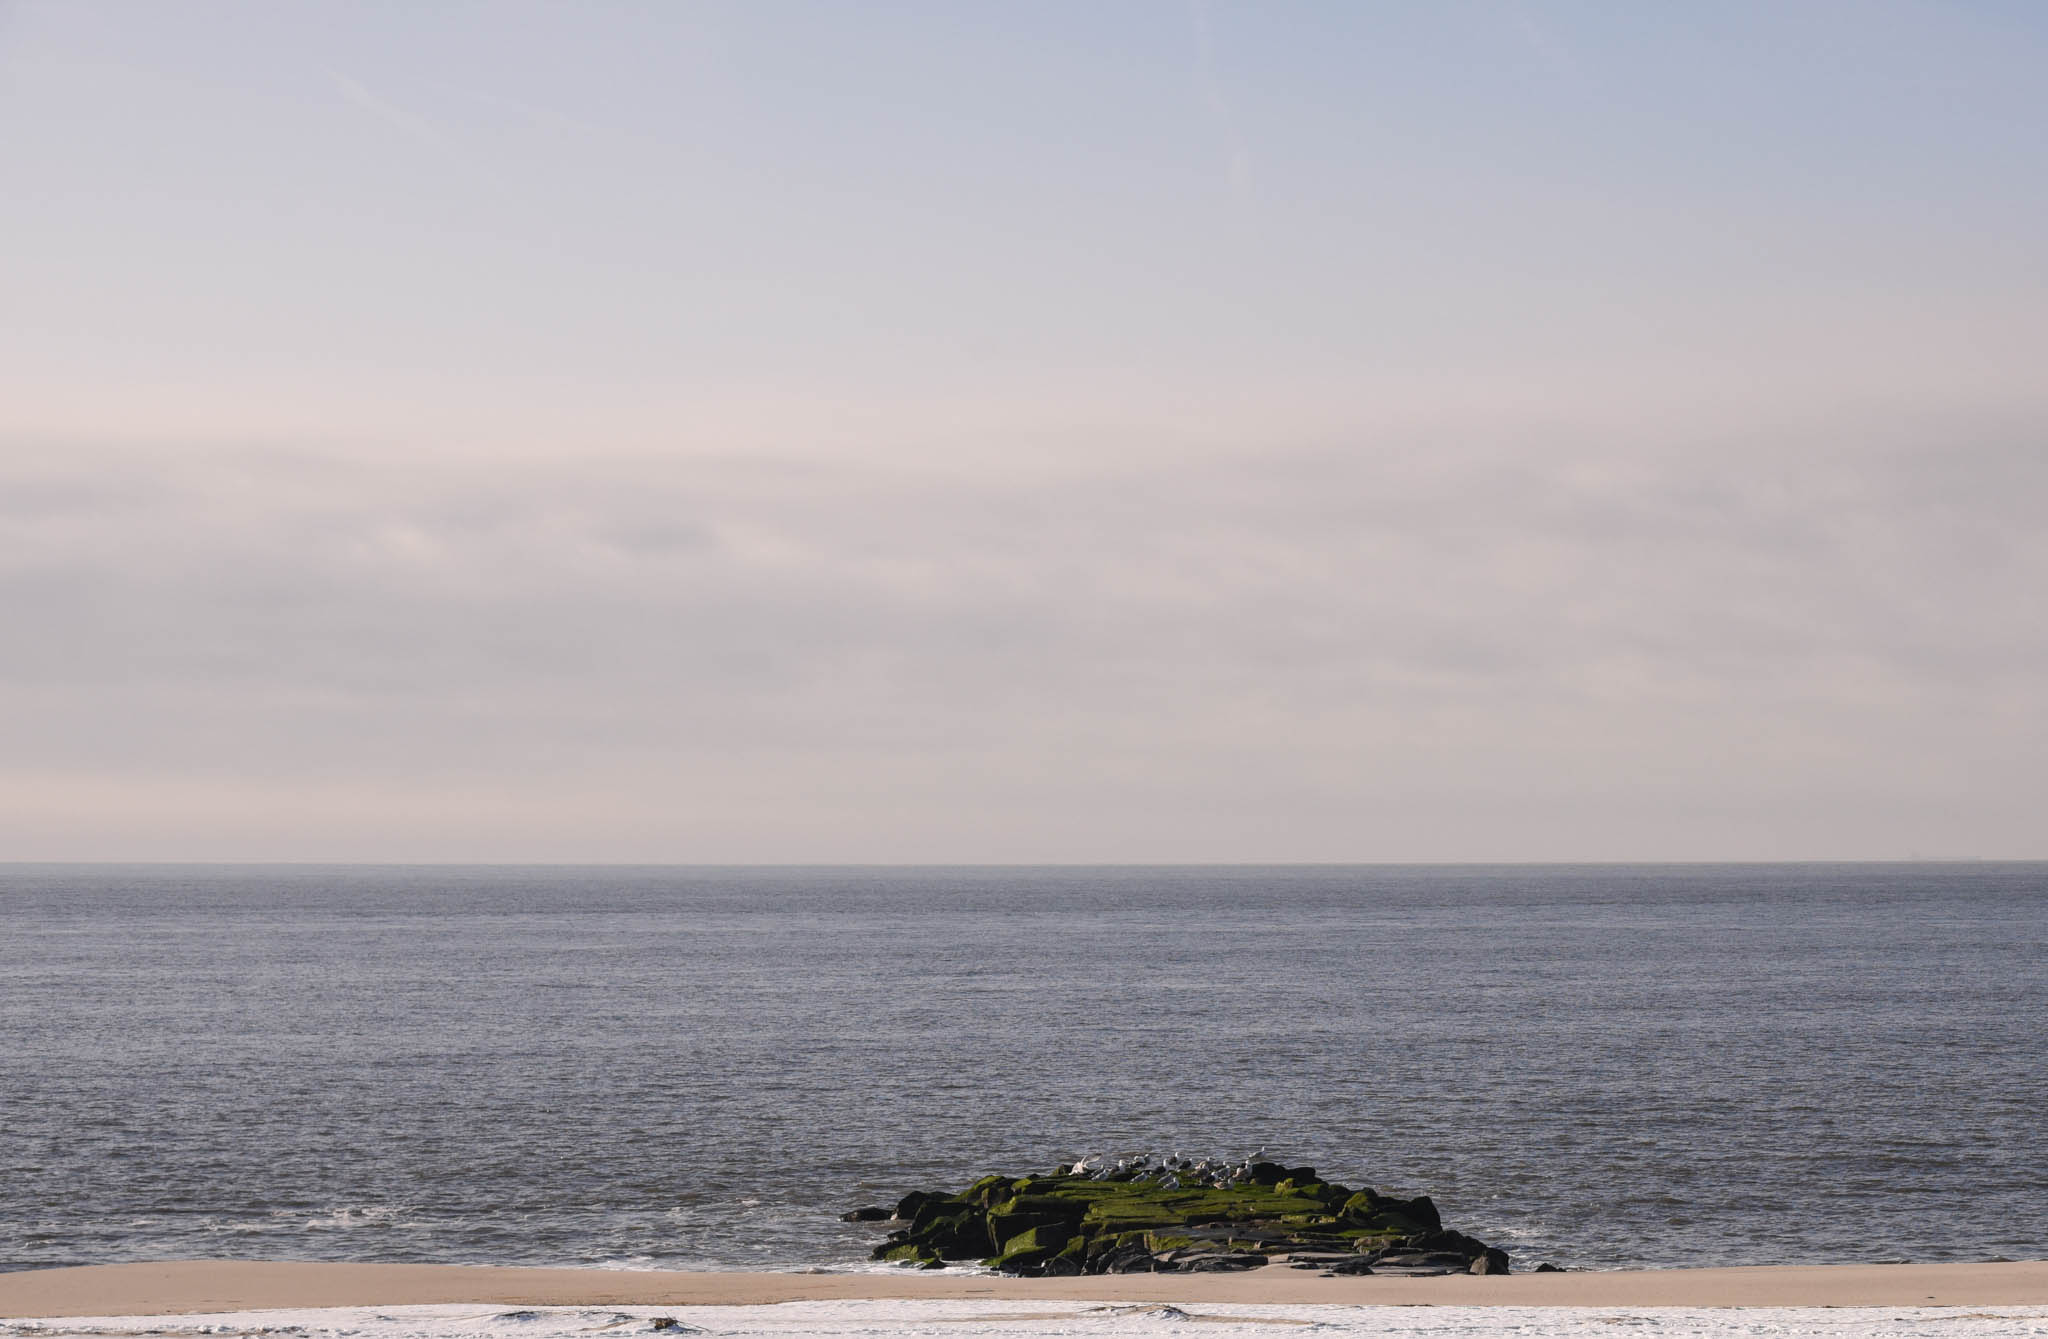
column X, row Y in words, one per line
column 1173, row 1216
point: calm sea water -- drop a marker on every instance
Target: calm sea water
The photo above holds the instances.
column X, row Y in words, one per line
column 1602, row 1066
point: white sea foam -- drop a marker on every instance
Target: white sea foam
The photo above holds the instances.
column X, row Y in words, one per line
column 1024, row 1319
column 346, row 1217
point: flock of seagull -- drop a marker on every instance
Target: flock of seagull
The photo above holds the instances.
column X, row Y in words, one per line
column 1172, row 1171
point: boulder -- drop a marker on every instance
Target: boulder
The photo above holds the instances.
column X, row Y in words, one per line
column 1030, row 1251
column 1218, row 1262
column 1492, row 1261
column 959, row 1236
column 1128, row 1257
column 1422, row 1260
column 907, row 1207
column 910, row 1253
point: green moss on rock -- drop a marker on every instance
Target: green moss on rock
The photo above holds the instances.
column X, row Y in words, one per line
column 1068, row 1223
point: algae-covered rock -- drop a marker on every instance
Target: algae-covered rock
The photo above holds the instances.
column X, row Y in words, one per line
column 1137, row 1215
column 908, row 1252
column 1031, row 1249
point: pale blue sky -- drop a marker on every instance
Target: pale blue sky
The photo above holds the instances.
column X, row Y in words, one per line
column 1015, row 432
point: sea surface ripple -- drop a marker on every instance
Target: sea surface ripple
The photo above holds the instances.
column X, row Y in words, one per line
column 1603, row 1066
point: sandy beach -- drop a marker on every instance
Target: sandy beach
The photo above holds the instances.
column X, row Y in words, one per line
column 205, row 1286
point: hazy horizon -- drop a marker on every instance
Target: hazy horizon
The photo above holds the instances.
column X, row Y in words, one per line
column 822, row 865
column 1194, row 433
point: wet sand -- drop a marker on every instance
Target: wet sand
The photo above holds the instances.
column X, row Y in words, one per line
column 188, row 1286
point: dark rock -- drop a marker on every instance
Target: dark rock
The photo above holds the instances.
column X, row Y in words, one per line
column 1315, row 1243
column 1129, row 1258
column 989, row 1191
column 867, row 1213
column 1220, row 1262
column 1130, row 1218
column 1028, row 1252
column 1318, row 1259
column 1492, row 1261
column 907, row 1207
column 936, row 1209
column 1007, row 1221
column 1423, row 1260
column 960, row 1236
column 1357, row 1264
column 1547, row 1268
column 908, row 1253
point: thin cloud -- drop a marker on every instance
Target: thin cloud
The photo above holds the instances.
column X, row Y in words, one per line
column 1376, row 634
column 1553, row 54
column 1237, row 158
column 412, row 126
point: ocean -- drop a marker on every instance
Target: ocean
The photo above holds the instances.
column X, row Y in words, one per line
column 1600, row 1066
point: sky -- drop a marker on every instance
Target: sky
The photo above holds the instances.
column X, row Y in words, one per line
column 1458, row 430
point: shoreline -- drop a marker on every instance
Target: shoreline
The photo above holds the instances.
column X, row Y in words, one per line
column 206, row 1286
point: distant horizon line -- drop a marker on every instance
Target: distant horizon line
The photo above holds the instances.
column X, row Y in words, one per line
column 1022, row 864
